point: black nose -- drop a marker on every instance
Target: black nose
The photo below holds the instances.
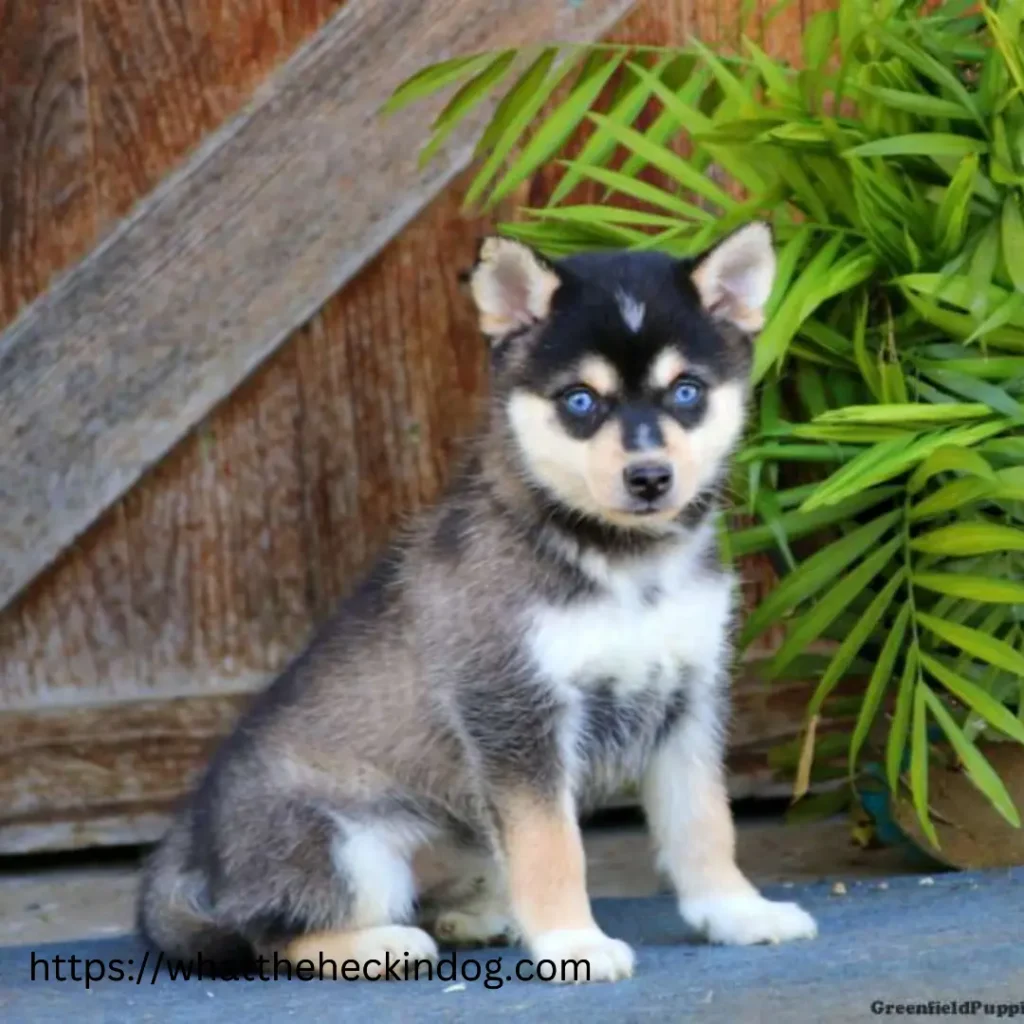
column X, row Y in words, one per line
column 648, row 480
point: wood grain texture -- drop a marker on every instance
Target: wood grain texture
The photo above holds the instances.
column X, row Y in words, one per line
column 102, row 375
column 204, row 580
column 163, row 74
column 99, row 99
column 47, row 200
column 110, row 774
column 79, row 777
column 209, row 576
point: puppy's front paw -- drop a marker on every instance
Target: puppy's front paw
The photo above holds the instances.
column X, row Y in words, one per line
column 746, row 919
column 597, row 957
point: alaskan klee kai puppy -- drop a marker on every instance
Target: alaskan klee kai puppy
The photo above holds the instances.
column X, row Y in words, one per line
column 556, row 625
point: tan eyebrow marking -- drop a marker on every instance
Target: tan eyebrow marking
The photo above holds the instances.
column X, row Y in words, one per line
column 669, row 365
column 599, row 374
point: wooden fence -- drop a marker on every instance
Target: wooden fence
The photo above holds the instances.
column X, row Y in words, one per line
column 235, row 356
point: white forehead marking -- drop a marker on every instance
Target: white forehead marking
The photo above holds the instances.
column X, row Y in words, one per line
column 632, row 310
column 644, row 436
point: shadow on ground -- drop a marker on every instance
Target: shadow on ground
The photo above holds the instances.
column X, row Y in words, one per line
column 951, row 938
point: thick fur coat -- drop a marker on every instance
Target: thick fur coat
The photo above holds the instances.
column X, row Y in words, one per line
column 558, row 624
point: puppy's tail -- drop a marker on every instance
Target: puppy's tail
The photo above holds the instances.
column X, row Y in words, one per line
column 173, row 910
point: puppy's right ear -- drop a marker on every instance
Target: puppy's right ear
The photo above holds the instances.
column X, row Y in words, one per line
column 512, row 286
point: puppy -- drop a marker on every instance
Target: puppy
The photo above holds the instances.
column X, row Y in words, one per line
column 556, row 625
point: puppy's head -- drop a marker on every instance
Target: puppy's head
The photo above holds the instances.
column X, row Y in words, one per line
column 621, row 378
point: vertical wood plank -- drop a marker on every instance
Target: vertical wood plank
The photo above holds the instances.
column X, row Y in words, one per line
column 47, row 202
column 163, row 73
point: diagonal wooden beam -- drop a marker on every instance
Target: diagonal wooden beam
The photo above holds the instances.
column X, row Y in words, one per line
column 123, row 356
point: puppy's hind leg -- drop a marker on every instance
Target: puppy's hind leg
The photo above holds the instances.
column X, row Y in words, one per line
column 464, row 901
column 303, row 883
column 374, row 861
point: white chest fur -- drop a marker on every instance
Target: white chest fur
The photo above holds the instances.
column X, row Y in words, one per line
column 650, row 621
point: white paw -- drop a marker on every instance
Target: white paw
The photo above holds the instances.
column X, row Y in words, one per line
column 396, row 948
column 462, row 928
column 747, row 919
column 599, row 958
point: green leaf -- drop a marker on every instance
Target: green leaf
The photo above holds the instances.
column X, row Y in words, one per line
column 637, row 189
column 466, row 99
column 858, row 434
column 917, row 412
column 919, row 144
column 1009, row 311
column 930, row 67
column 679, row 107
column 816, row 572
column 960, row 326
column 890, row 458
column 665, row 160
column 995, row 398
column 522, row 90
column 956, row 289
column 896, row 741
column 979, row 770
column 879, row 680
column 1013, row 240
column 951, row 496
column 854, row 641
column 666, row 125
column 956, row 359
column 964, row 539
column 989, row 649
column 778, row 332
column 434, row 78
column 920, row 103
column 798, row 524
column 866, row 365
column 1007, row 40
column 818, row 38
column 600, row 146
column 949, row 458
column 954, row 210
column 827, row 609
column 974, row 588
column 982, row 268
column 799, row 452
column 556, row 128
column 734, row 90
column 778, row 77
column 995, row 713
column 531, row 93
column 919, row 765
column 594, row 214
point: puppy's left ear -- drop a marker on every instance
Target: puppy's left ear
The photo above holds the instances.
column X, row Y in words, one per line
column 734, row 279
column 512, row 286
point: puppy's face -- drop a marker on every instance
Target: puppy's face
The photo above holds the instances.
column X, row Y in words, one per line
column 623, row 376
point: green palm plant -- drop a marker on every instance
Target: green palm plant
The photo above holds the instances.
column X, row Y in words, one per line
column 887, row 447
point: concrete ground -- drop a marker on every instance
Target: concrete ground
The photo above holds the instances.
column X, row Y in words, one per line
column 887, row 936
column 94, row 897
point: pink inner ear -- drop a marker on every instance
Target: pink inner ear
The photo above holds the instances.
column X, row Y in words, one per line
column 514, row 290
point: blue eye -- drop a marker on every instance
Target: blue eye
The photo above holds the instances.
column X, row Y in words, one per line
column 579, row 402
column 687, row 392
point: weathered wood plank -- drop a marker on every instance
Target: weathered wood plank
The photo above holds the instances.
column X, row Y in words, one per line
column 47, row 202
column 99, row 99
column 111, row 774
column 211, row 572
column 104, row 373
column 76, row 777
column 164, row 73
